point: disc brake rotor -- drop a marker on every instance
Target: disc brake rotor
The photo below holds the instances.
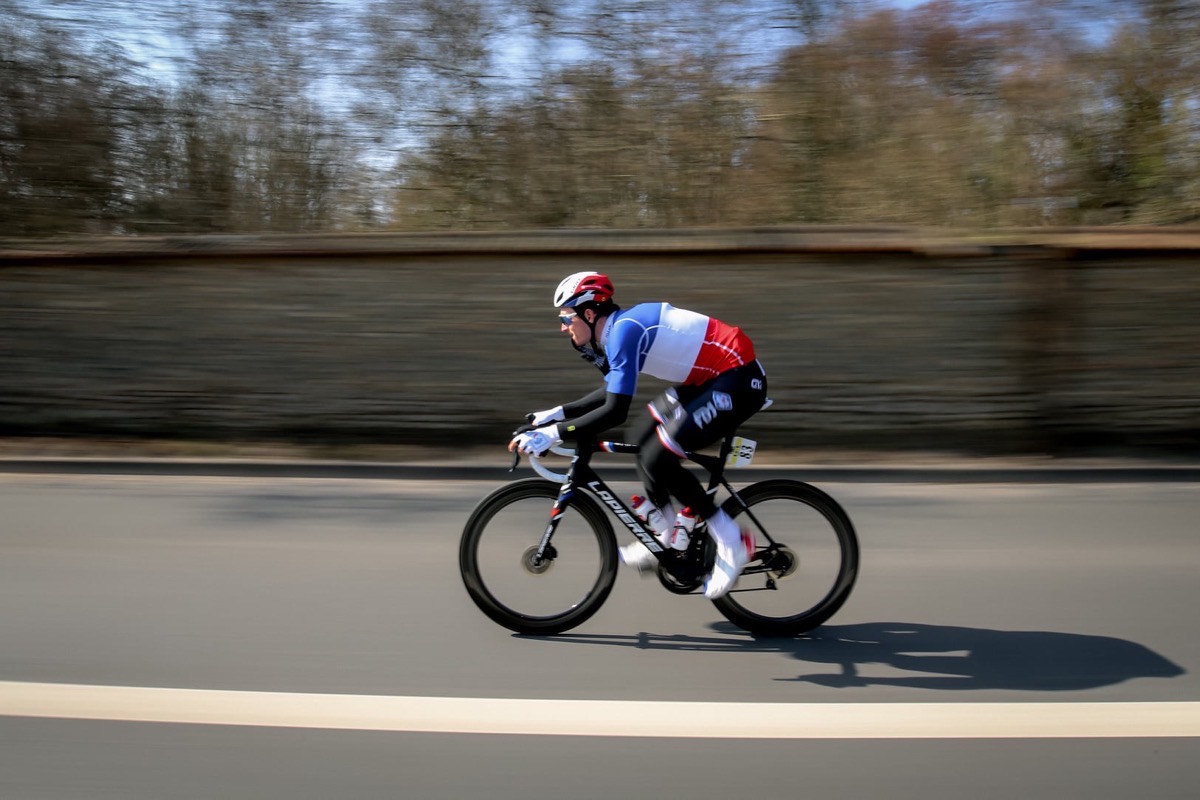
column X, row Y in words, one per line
column 532, row 565
column 781, row 562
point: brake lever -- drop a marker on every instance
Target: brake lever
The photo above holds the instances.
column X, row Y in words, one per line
column 516, row 453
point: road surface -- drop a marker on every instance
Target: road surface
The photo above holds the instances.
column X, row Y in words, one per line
column 202, row 637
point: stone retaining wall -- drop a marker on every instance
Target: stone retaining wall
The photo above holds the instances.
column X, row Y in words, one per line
column 880, row 339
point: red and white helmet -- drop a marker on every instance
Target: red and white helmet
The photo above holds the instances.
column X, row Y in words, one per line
column 583, row 287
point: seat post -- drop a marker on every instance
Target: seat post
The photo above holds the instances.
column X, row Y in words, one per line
column 727, row 445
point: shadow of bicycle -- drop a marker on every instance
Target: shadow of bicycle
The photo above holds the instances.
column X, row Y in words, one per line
column 938, row 657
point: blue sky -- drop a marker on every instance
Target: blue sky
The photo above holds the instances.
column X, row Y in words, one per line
column 150, row 30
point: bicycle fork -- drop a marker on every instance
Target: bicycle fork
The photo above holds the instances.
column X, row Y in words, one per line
column 545, row 552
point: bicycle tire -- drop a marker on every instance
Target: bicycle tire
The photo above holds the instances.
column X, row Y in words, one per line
column 842, row 547
column 586, row 533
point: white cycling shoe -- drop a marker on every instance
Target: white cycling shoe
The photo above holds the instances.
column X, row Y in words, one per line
column 638, row 556
column 735, row 548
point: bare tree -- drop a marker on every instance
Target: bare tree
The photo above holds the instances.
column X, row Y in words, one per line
column 306, row 115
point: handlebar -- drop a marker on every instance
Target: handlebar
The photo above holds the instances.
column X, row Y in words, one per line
column 535, row 462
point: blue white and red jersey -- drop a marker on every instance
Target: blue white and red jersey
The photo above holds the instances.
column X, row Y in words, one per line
column 670, row 343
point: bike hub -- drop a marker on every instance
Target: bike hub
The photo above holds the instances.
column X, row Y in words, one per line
column 535, row 565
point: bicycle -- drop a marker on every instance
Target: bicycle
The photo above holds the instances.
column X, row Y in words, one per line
column 510, row 554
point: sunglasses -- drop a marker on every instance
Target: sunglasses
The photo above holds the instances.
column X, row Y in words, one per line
column 567, row 319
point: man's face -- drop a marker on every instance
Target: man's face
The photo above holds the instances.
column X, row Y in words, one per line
column 574, row 325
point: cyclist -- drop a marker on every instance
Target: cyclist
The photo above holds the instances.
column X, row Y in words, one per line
column 718, row 384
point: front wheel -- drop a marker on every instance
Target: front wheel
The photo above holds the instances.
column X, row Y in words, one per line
column 800, row 581
column 504, row 576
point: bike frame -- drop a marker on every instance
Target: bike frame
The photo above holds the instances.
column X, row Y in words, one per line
column 582, row 474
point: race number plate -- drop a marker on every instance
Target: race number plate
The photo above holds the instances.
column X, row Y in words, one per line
column 741, row 453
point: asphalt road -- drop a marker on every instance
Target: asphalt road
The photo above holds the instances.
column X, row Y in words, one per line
column 975, row 601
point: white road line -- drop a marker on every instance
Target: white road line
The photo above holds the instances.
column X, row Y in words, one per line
column 601, row 717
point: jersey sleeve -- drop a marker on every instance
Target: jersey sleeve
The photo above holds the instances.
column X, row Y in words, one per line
column 624, row 352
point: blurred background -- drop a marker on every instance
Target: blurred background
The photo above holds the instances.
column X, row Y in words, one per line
column 317, row 115
column 949, row 225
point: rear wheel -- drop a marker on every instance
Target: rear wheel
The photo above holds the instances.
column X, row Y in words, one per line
column 801, row 581
column 507, row 581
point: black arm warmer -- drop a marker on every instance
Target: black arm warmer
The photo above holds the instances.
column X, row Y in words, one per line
column 609, row 413
column 584, row 404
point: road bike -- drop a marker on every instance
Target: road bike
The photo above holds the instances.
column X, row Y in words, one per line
column 539, row 555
